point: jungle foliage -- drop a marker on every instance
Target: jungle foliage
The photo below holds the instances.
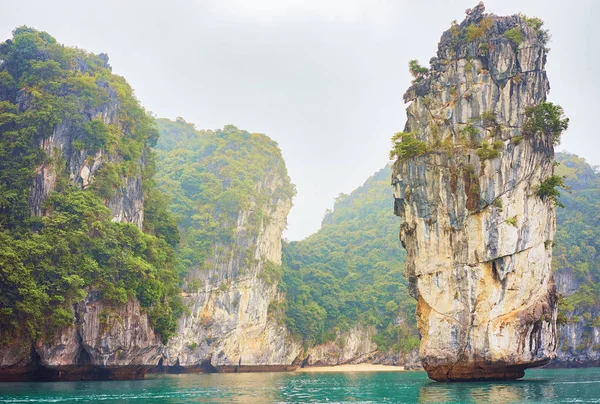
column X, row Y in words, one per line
column 351, row 272
column 211, row 177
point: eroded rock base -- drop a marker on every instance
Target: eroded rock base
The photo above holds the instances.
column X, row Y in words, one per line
column 479, row 372
column 72, row 373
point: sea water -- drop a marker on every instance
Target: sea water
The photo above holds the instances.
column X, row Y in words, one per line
column 543, row 385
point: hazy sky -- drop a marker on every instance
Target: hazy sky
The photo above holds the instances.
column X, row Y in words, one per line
column 323, row 78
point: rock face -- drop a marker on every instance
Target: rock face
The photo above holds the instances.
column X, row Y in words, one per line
column 104, row 343
column 478, row 237
column 82, row 165
column 356, row 346
column 579, row 344
column 578, row 337
column 231, row 326
column 352, row 346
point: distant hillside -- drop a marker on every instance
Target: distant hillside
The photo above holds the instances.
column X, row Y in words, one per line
column 350, row 272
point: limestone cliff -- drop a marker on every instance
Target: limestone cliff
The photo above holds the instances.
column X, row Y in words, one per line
column 232, row 194
column 84, row 161
column 477, row 234
column 69, row 125
column 229, row 326
column 106, row 342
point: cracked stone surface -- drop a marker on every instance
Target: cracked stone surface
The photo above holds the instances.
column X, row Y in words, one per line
column 478, row 237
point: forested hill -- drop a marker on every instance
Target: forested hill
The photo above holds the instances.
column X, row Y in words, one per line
column 212, row 176
column 351, row 270
column 75, row 179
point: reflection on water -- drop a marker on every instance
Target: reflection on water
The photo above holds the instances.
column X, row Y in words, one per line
column 548, row 386
column 483, row 392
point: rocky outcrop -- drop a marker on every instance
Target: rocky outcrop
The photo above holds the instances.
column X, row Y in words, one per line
column 356, row 346
column 578, row 343
column 232, row 325
column 578, row 336
column 105, row 343
column 352, row 346
column 82, row 164
column 478, row 237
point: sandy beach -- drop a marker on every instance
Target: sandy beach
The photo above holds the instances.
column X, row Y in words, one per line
column 363, row 367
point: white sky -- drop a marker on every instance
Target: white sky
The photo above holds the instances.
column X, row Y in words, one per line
column 323, row 78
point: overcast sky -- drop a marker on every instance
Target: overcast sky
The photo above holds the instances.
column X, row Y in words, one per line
column 323, row 78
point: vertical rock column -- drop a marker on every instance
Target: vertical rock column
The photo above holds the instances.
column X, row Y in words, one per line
column 478, row 236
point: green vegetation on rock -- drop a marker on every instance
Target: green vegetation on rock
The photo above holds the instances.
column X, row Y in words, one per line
column 537, row 24
column 478, row 31
column 211, row 178
column 515, row 36
column 490, row 152
column 50, row 262
column 546, row 119
column 417, row 71
column 406, row 145
column 549, row 188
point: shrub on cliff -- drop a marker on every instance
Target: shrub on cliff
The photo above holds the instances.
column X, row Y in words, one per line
column 487, row 152
column 417, row 71
column 477, row 31
column 406, row 145
column 549, row 188
column 515, row 36
column 546, row 119
column 537, row 24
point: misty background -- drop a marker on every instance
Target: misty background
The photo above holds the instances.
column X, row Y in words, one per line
column 323, row 78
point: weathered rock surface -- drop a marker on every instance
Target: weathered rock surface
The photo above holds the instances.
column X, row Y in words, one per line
column 353, row 346
column 82, row 165
column 356, row 346
column 478, row 237
column 578, row 338
column 104, row 343
column 230, row 327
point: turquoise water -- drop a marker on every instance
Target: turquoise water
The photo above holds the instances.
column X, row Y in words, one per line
column 547, row 386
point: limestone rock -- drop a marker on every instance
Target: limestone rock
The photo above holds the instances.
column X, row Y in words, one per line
column 578, row 336
column 478, row 237
column 127, row 205
column 106, row 342
column 350, row 347
column 230, row 326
